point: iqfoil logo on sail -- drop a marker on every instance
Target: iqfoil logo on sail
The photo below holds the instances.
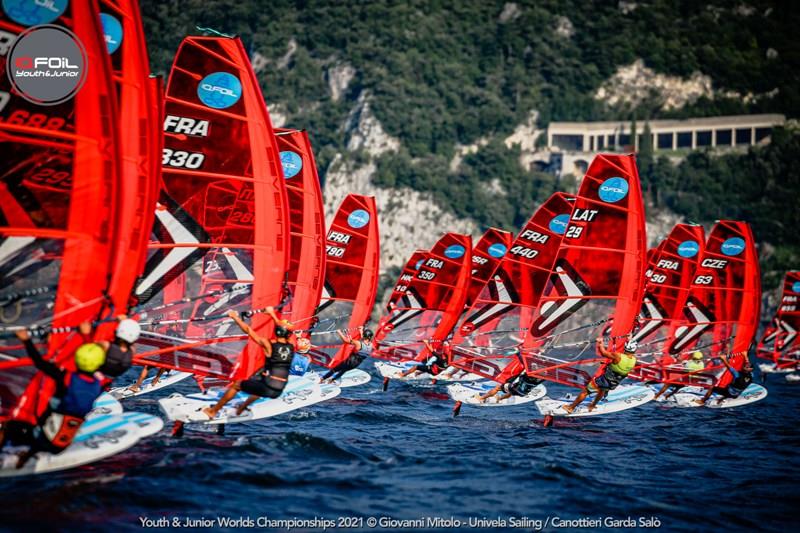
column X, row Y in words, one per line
column 112, row 32
column 796, row 286
column 47, row 65
column 497, row 250
column 32, row 13
column 291, row 163
column 558, row 224
column 688, row 249
column 358, row 219
column 613, row 190
column 733, row 246
column 419, row 263
column 219, row 90
column 454, row 251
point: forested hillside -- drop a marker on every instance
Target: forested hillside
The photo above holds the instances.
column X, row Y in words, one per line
column 441, row 75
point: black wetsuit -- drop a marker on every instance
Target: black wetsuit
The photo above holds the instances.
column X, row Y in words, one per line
column 521, row 385
column 117, row 361
column 270, row 381
column 740, row 382
column 434, row 365
column 355, row 359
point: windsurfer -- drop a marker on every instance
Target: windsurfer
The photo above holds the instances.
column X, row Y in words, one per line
column 269, row 381
column 119, row 352
column 741, row 380
column 693, row 365
column 136, row 387
column 362, row 349
column 518, row 385
column 435, row 364
column 74, row 397
column 301, row 361
column 610, row 375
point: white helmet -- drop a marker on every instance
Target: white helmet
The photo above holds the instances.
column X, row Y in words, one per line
column 128, row 330
column 631, row 346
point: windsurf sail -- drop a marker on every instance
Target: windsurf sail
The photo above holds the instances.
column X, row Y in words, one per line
column 486, row 256
column 58, row 205
column 306, row 273
column 669, row 275
column 138, row 99
column 221, row 228
column 351, row 279
column 496, row 325
column 431, row 305
column 598, row 273
column 780, row 343
column 720, row 316
column 405, row 278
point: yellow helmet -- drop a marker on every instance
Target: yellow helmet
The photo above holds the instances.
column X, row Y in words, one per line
column 697, row 355
column 89, row 357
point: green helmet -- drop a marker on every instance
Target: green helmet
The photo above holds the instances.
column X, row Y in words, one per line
column 89, row 357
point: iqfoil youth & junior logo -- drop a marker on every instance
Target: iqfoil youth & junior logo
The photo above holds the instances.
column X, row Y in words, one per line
column 47, row 65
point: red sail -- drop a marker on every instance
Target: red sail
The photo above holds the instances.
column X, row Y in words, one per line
column 486, row 257
column 221, row 225
column 351, row 278
column 138, row 98
column 58, row 202
column 405, row 277
column 669, row 276
column 722, row 309
column 598, row 273
column 432, row 304
column 498, row 321
column 307, row 227
column 780, row 343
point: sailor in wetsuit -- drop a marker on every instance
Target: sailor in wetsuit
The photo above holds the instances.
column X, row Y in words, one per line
column 519, row 385
column 693, row 365
column 301, row 361
column 74, row 397
column 436, row 363
column 362, row 349
column 616, row 370
column 270, row 381
column 119, row 352
column 741, row 380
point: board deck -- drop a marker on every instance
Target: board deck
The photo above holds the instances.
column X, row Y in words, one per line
column 620, row 399
column 168, row 379
column 392, row 369
column 351, row 378
column 467, row 393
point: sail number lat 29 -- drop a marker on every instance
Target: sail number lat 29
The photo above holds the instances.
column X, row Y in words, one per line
column 182, row 159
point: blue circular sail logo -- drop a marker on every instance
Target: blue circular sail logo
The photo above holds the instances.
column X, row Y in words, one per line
column 796, row 286
column 358, row 219
column 219, row 90
column 31, row 13
column 613, row 190
column 454, row 251
column 558, row 224
column 291, row 163
column 688, row 249
column 419, row 263
column 733, row 246
column 112, row 31
column 497, row 250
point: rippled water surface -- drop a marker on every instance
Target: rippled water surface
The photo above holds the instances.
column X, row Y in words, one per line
column 401, row 454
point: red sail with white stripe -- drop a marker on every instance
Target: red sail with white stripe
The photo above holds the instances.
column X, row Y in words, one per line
column 598, row 273
column 431, row 305
column 59, row 197
column 486, row 257
column 306, row 273
column 498, row 322
column 670, row 274
column 780, row 343
column 405, row 277
column 221, row 228
column 351, row 279
column 721, row 313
